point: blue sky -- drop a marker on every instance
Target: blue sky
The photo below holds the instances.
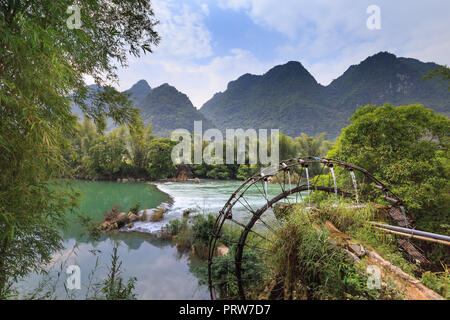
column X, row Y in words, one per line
column 205, row 44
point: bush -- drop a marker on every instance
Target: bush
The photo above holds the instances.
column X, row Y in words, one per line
column 135, row 209
column 312, row 267
column 157, row 214
column 438, row 281
column 201, row 228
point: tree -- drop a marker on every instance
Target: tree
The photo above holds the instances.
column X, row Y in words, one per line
column 42, row 67
column 160, row 163
column 408, row 147
column 313, row 146
column 287, row 147
column 140, row 137
column 83, row 139
column 107, row 156
column 443, row 73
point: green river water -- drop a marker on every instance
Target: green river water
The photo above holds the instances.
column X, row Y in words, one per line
column 161, row 272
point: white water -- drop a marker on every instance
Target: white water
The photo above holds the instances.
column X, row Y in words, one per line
column 307, row 182
column 334, row 181
column 352, row 174
column 208, row 196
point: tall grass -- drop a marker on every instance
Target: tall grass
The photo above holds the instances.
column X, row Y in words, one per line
column 312, row 267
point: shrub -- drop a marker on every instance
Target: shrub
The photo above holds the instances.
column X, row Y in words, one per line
column 157, row 215
column 438, row 281
column 135, row 209
column 312, row 267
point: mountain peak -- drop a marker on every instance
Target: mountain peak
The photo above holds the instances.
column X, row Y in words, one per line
column 381, row 57
column 288, row 97
column 168, row 88
column 139, row 90
column 169, row 109
column 140, row 85
column 293, row 66
column 290, row 70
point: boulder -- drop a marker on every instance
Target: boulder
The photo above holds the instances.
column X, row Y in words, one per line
column 197, row 180
column 132, row 217
column 122, row 216
column 357, row 249
column 130, row 225
column 124, row 180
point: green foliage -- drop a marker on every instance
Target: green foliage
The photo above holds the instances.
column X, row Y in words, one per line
column 106, row 156
column 312, row 267
column 174, row 227
column 201, row 228
column 160, row 163
column 407, row 147
column 121, row 153
column 443, row 73
column 254, row 273
column 355, row 223
column 135, row 209
column 42, row 65
column 438, row 281
column 114, row 287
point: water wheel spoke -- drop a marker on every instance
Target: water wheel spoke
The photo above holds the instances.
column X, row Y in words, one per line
column 258, row 231
column 245, row 227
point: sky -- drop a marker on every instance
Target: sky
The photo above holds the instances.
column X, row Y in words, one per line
column 205, row 44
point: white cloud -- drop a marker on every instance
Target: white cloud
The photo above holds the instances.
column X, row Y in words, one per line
column 329, row 36
column 185, row 58
column 326, row 36
column 182, row 30
column 201, row 82
column 205, row 8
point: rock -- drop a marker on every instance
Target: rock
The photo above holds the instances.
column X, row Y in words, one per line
column 144, row 215
column 131, row 179
column 118, row 180
column 352, row 257
column 104, row 226
column 124, row 180
column 357, row 249
column 132, row 217
column 197, row 180
column 130, row 225
column 222, row 250
column 122, row 216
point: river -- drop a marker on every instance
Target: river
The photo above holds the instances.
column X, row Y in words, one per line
column 161, row 272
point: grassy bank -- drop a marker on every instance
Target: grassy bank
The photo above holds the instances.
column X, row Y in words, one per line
column 313, row 254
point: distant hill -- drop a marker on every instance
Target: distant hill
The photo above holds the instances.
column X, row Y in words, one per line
column 384, row 78
column 169, row 109
column 289, row 98
column 165, row 107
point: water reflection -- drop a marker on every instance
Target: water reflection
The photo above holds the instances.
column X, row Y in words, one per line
column 162, row 273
